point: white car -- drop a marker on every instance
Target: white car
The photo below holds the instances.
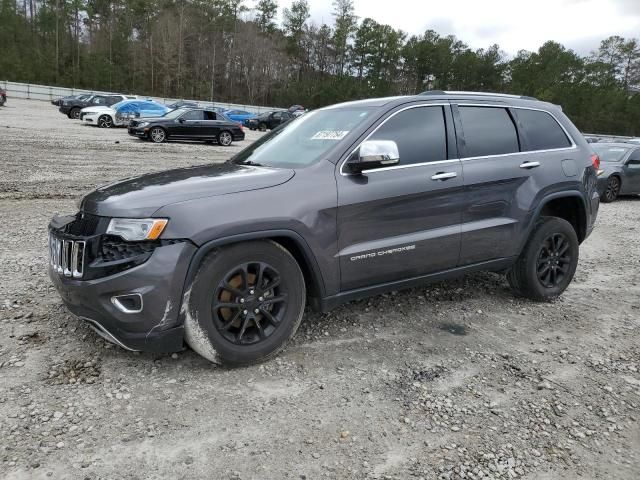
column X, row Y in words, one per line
column 103, row 116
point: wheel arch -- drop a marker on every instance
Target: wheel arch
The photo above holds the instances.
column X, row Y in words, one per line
column 288, row 239
column 569, row 206
column 619, row 177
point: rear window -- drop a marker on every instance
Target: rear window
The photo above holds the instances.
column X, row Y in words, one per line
column 609, row 153
column 488, row 131
column 542, row 131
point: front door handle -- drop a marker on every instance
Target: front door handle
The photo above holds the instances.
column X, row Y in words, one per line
column 444, row 176
column 529, row 165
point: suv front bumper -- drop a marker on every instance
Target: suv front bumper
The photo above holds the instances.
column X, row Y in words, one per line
column 158, row 282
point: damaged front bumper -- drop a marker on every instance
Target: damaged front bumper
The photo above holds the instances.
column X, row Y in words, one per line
column 152, row 321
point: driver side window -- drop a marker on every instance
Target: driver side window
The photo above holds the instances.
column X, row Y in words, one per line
column 193, row 115
column 419, row 133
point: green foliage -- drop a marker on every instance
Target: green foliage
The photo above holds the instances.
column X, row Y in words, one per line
column 214, row 50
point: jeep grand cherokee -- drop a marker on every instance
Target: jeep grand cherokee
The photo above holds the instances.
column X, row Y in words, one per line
column 345, row 202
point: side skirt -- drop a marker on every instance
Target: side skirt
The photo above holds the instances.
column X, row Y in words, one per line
column 329, row 303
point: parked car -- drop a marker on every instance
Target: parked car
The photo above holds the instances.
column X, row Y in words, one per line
column 58, row 101
column 188, row 124
column 3, row 97
column 297, row 110
column 269, row 120
column 619, row 172
column 346, row 202
column 182, row 104
column 238, row 115
column 72, row 107
column 120, row 113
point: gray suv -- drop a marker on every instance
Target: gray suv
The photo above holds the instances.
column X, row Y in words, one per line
column 342, row 203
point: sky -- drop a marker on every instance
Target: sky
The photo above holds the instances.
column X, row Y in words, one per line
column 512, row 24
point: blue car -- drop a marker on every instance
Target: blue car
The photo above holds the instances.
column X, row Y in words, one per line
column 139, row 108
column 239, row 115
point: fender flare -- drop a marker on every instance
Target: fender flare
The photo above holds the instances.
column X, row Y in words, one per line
column 209, row 246
column 544, row 201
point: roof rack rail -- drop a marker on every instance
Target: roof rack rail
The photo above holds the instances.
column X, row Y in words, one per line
column 489, row 94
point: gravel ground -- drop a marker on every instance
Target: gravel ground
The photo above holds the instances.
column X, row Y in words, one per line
column 454, row 380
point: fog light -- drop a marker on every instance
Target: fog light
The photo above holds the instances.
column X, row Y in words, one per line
column 131, row 303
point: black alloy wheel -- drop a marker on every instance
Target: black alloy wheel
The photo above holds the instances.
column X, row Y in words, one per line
column 612, row 191
column 245, row 303
column 249, row 303
column 547, row 263
column 554, row 260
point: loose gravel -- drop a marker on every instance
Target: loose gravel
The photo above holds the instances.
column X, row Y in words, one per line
column 458, row 380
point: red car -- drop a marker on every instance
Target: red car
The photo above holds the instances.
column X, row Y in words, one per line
column 3, row 97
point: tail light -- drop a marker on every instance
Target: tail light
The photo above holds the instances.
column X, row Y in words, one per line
column 595, row 161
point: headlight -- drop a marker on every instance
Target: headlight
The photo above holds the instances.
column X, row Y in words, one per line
column 137, row 229
column 143, row 124
column 600, row 172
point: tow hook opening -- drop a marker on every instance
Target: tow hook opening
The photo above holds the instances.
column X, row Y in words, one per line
column 129, row 303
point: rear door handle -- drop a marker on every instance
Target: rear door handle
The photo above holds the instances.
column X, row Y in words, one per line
column 529, row 165
column 444, row 176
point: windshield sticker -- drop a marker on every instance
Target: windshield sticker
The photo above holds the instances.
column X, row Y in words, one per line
column 330, row 135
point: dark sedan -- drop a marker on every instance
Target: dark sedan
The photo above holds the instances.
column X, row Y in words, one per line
column 269, row 120
column 58, row 101
column 619, row 172
column 72, row 107
column 188, row 124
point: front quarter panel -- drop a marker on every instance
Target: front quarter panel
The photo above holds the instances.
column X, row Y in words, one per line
column 305, row 205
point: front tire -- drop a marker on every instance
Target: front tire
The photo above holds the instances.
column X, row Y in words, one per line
column 612, row 191
column 105, row 121
column 262, row 127
column 157, row 135
column 548, row 261
column 74, row 113
column 245, row 303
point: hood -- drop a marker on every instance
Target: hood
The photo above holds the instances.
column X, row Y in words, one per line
column 100, row 108
column 139, row 197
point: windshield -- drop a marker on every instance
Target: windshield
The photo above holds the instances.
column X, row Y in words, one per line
column 175, row 113
column 303, row 141
column 608, row 153
column 116, row 106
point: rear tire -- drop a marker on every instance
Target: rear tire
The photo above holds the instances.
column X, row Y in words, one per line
column 612, row 191
column 548, row 261
column 225, row 138
column 245, row 303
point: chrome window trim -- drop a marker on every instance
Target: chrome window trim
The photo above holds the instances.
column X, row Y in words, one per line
column 571, row 140
column 396, row 167
column 453, row 102
column 411, row 165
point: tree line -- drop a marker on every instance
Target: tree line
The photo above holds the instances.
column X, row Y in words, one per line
column 235, row 51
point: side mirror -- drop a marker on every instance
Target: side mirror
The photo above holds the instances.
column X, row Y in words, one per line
column 181, row 120
column 634, row 158
column 374, row 154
